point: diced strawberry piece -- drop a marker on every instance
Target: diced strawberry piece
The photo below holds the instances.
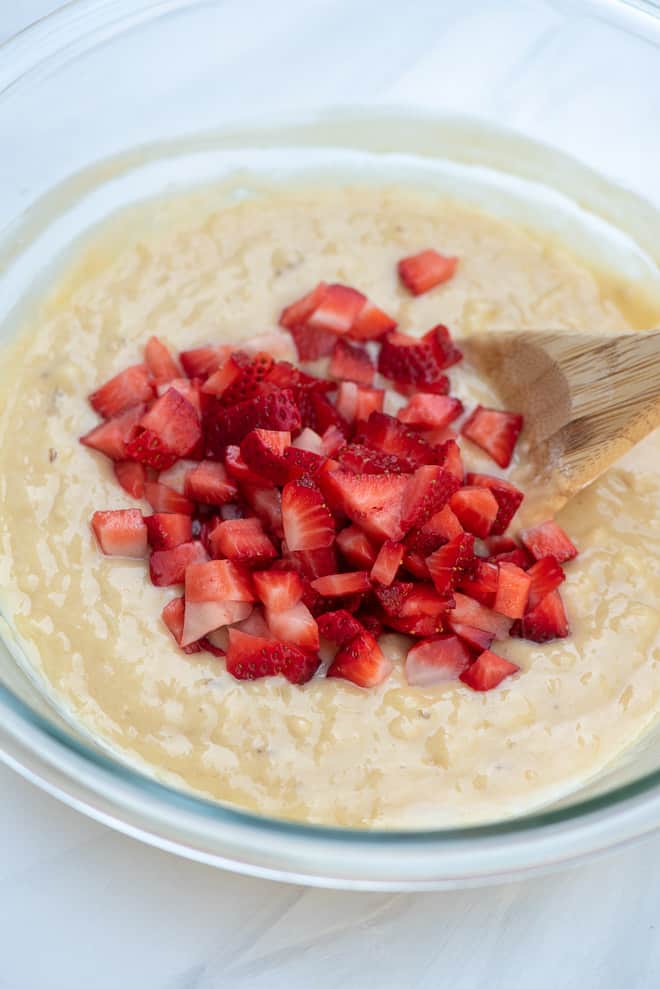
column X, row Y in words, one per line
column 512, row 591
column 210, row 484
column 362, row 661
column 278, row 589
column 467, row 611
column 416, row 564
column 121, row 532
column 487, row 671
column 449, row 457
column 371, row 323
column 339, row 626
column 442, row 527
column 227, row 426
column 226, row 375
column 243, row 540
column 299, row 312
column 436, row 660
column 263, row 451
column 203, row 361
column 386, row 434
column 160, row 362
column 545, row 622
column 413, row 361
column 266, row 503
column 273, row 342
column 388, row 561
column 169, row 430
column 422, row 627
column 314, row 563
column 346, row 403
column 202, row 617
column 476, row 509
column 507, row 496
column 356, row 546
column 518, row 556
column 405, row 599
column 339, row 584
column 351, row 363
column 252, row 380
column 338, row 310
column 239, row 470
column 296, row 625
column 167, row 530
column 255, row 624
column 168, row 566
column 426, row 492
column 218, row 580
column 425, row 411
column 361, row 459
column 545, row 576
column 495, row 432
column 447, row 353
column 549, row 539
column 186, row 388
column 450, row 563
column 307, row 520
column 309, row 441
column 111, row 437
column 474, row 638
column 131, row 476
column 130, row 387
column 173, row 617
column 327, row 415
column 372, row 501
column 333, row 440
column 496, row 544
column 422, row 272
column 302, row 463
column 164, row 499
column 370, row 621
column 312, row 343
column 250, row 657
column 368, row 400
column 482, row 583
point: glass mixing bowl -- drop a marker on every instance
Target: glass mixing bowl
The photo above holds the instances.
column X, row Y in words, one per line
column 527, row 101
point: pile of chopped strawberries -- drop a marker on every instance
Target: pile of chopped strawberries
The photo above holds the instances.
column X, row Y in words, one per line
column 293, row 508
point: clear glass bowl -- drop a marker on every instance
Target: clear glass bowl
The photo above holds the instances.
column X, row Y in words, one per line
column 107, row 100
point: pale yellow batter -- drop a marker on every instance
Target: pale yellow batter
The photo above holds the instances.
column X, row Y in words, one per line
column 328, row 752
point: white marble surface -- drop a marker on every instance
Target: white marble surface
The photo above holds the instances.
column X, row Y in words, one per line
column 83, row 906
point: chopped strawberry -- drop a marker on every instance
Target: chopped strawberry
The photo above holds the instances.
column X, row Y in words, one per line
column 333, row 440
column 204, row 610
column 203, row 361
column 219, row 580
column 405, row 599
column 278, row 589
column 159, row 361
column 302, row 463
column 339, row 584
column 242, row 540
column 518, row 556
column 255, row 623
column 545, row 576
column 507, row 496
column 474, row 638
column 496, row 544
column 327, row 415
column 173, row 617
column 227, row 374
column 482, row 583
column 442, row 527
column 266, row 503
column 449, row 457
column 351, row 363
column 371, row 323
column 226, row 426
column 545, row 622
column 186, row 388
column 312, row 342
column 307, row 520
column 422, row 272
column 495, row 432
column 361, row 459
column 164, row 499
column 346, row 403
column 372, row 501
column 361, row 660
column 388, row 561
column 239, row 470
column 386, row 434
column 131, row 476
column 263, row 451
column 356, row 546
column 338, row 310
column 425, row 411
column 421, row 627
column 299, row 312
column 447, row 353
column 111, row 437
column 128, row 388
column 250, row 657
column 296, row 625
column 313, row 563
column 273, row 342
column 512, row 591
column 466, row 611
column 414, row 361
column 286, row 375
column 168, row 431
column 369, row 620
column 121, row 532
column 209, row 484
column 415, row 563
column 339, row 626
column 476, row 509
column 368, row 400
column 436, row 660
column 308, row 440
column 251, row 381
column 487, row 671
column 426, row 492
column 451, row 563
column 168, row 566
column 549, row 539
column 167, row 530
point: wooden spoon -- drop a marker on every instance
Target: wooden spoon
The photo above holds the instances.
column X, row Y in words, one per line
column 586, row 400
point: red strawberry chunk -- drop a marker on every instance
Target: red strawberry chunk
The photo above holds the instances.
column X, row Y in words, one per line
column 325, row 415
column 159, row 361
column 361, row 459
column 386, row 434
column 549, row 539
column 339, row 584
column 165, row 499
column 476, row 509
column 362, row 661
column 251, row 657
column 346, row 403
column 202, row 617
column 187, row 389
column 302, row 463
column 415, row 564
column 338, row 310
column 170, row 430
column 227, row 374
column 218, row 580
column 351, row 363
column 308, row 441
column 239, row 470
column 255, row 623
column 467, row 611
column 339, row 626
column 507, row 496
column 227, row 426
column 449, row 457
column 451, row 563
column 388, row 561
column 442, row 527
column 356, row 546
column 243, row 540
column 131, row 476
column 487, row 671
column 405, row 599
column 333, row 440
column 371, row 323
column 121, row 532
column 372, row 501
column 368, row 400
column 203, row 361
column 482, row 583
column 370, row 621
column 545, row 576
column 168, row 566
column 130, row 387
column 495, row 432
column 422, row 272
column 545, row 622
column 210, row 484
column 512, row 591
column 167, row 530
column 278, row 589
column 251, row 381
column 427, row 491
column 413, row 361
column 173, row 617
column 312, row 343
column 266, row 503
column 296, row 625
column 307, row 521
column 474, row 638
column 299, row 312
column 111, row 437
column 496, row 544
column 263, row 451
column 520, row 557
column 447, row 353
column 425, row 411
column 313, row 563
column 436, row 660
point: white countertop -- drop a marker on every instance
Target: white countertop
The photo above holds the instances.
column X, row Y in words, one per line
column 81, row 906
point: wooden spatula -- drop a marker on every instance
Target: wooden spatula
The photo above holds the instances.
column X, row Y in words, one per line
column 586, row 400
